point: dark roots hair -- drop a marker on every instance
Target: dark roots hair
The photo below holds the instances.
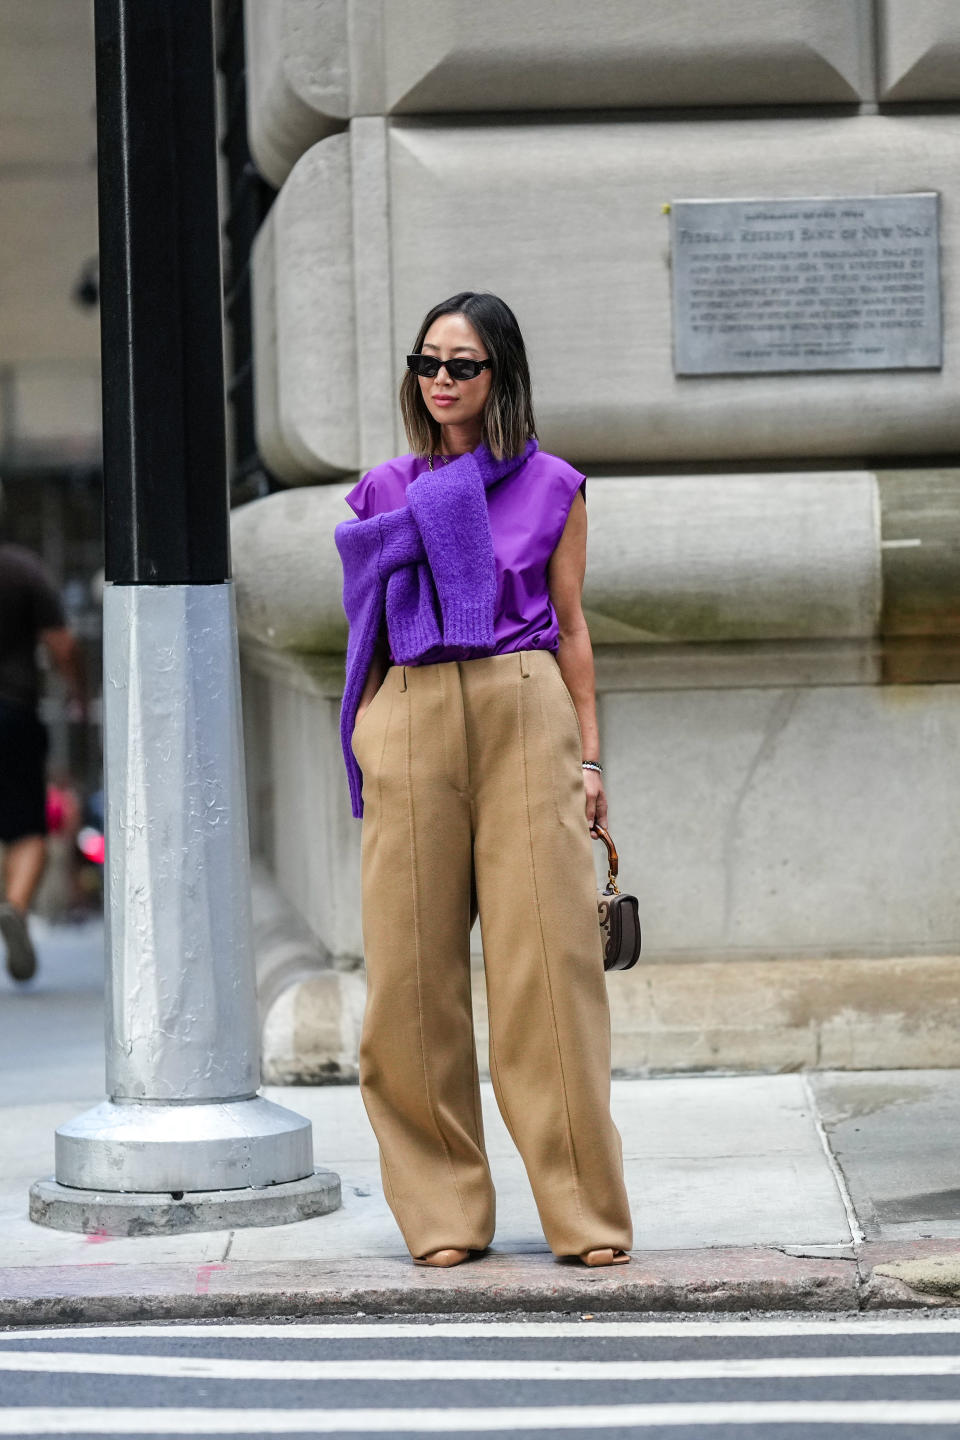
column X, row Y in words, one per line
column 508, row 421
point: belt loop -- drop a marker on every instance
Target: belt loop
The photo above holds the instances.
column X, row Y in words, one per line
column 524, row 664
column 403, row 677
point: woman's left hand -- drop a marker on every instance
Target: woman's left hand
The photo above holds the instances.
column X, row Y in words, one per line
column 596, row 799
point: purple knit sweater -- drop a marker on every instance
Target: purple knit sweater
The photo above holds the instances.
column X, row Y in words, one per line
column 436, row 552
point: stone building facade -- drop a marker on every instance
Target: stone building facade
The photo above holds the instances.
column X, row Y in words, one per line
column 773, row 584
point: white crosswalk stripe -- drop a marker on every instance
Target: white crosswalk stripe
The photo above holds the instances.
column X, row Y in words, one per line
column 182, row 1367
column 496, row 1386
column 514, row 1419
column 510, row 1329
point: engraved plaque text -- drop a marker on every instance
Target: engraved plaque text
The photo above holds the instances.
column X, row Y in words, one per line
column 785, row 285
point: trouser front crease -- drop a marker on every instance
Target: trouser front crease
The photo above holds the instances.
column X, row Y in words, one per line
column 473, row 795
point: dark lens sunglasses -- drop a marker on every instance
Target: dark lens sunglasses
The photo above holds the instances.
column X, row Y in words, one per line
column 429, row 367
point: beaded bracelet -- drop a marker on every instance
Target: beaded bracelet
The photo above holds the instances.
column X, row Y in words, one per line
column 592, row 765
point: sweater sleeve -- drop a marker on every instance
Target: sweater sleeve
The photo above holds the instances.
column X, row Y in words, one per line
column 370, row 551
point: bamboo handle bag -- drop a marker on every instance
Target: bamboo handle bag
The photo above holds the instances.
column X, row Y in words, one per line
column 619, row 914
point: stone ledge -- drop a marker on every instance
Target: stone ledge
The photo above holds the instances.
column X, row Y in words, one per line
column 693, row 558
column 681, row 1018
column 815, row 566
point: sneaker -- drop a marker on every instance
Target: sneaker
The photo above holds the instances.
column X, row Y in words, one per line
column 21, row 956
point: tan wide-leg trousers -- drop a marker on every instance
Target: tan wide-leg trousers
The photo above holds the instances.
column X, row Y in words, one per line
column 474, row 801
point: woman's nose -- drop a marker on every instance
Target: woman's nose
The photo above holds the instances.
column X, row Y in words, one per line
column 444, row 373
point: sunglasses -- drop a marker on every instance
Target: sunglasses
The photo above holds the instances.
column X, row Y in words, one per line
column 429, row 367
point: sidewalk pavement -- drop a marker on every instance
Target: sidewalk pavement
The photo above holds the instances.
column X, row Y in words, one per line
column 833, row 1191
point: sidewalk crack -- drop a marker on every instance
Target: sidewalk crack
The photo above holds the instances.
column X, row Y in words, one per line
column 857, row 1235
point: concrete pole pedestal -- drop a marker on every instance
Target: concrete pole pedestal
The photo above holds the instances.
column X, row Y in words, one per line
column 184, row 1142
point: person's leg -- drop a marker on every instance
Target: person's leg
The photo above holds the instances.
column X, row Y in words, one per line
column 24, row 861
column 23, row 750
column 549, row 1019
column 418, row 1068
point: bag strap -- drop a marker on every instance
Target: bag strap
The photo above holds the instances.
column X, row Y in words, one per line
column 613, row 859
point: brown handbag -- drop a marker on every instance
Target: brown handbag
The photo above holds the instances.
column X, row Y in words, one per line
column 619, row 914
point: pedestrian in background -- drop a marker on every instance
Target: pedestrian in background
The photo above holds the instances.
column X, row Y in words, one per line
column 31, row 613
column 470, row 736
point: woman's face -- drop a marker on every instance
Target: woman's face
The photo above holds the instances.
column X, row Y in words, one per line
column 455, row 402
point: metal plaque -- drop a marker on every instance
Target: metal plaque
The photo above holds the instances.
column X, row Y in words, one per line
column 767, row 285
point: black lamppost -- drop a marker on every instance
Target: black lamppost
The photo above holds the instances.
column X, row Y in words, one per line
column 183, row 1119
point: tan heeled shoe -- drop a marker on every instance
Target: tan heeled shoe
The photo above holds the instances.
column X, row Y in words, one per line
column 443, row 1258
column 605, row 1257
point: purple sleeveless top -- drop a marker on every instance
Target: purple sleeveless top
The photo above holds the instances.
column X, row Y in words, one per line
column 528, row 511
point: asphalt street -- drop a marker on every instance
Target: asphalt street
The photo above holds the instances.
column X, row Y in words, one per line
column 766, row 1378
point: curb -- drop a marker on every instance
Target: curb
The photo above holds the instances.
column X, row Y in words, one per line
column 662, row 1281
column 730, row 1280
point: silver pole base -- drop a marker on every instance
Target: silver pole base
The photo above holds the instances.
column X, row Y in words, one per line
column 181, row 988
column 157, row 1148
column 93, row 1212
column 184, row 1117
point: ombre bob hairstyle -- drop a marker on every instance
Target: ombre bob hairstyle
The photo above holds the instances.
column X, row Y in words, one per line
column 507, row 421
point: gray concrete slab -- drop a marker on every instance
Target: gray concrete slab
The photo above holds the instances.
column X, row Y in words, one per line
column 733, row 1160
column 896, row 1138
column 688, row 1198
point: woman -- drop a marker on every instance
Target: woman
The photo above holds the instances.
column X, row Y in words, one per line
column 470, row 736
